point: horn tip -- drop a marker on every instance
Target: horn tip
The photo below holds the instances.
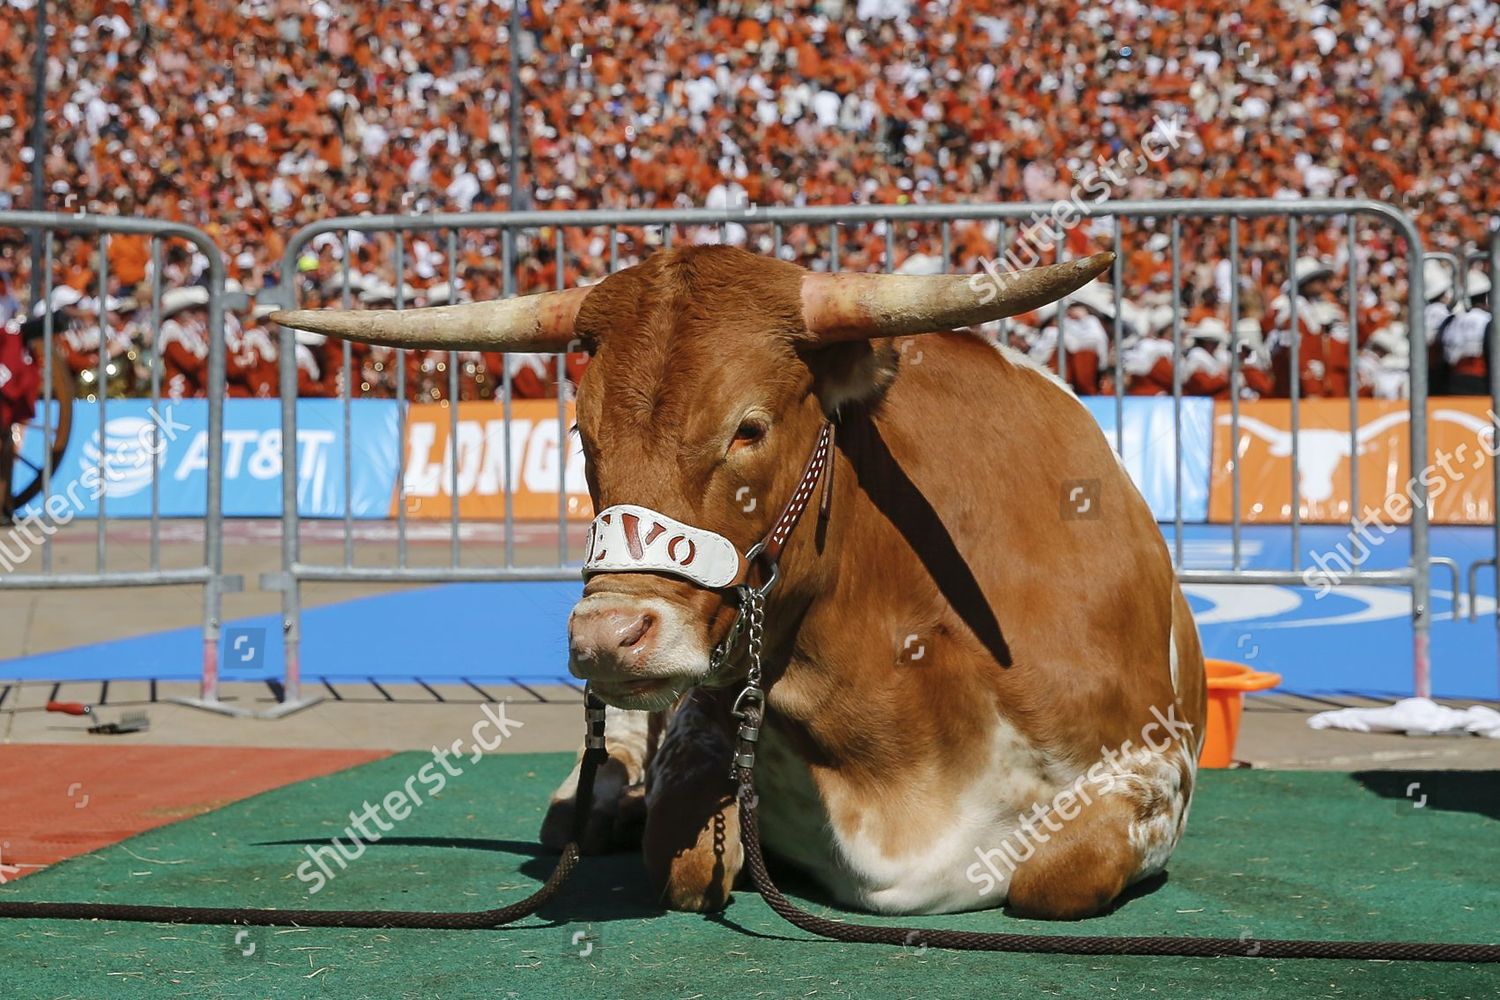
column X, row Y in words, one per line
column 1100, row 262
column 290, row 317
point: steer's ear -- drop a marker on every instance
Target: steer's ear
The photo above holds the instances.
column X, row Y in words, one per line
column 542, row 323
column 843, row 307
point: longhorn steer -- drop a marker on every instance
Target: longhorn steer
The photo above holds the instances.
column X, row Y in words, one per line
column 960, row 643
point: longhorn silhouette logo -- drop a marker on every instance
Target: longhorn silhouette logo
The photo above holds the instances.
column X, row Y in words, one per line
column 1483, row 428
column 1319, row 449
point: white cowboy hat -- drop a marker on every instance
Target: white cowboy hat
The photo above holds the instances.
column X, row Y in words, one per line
column 921, row 263
column 1096, row 297
column 378, row 291
column 63, row 297
column 357, row 283
column 1437, row 280
column 175, row 300
column 1478, row 284
column 1308, row 269
column 443, row 293
column 90, row 305
column 1212, row 328
column 1391, row 338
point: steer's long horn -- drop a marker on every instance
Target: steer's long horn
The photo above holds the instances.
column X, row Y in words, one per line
column 855, row 306
column 541, row 322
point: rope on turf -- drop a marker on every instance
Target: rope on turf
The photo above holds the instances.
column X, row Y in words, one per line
column 751, row 715
column 594, row 754
column 1052, row 944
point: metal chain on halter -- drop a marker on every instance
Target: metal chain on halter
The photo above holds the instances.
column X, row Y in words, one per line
column 750, row 705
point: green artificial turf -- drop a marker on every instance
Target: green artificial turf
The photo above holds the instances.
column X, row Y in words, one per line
column 1267, row 855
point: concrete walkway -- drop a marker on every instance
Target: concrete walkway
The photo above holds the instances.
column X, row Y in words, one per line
column 368, row 716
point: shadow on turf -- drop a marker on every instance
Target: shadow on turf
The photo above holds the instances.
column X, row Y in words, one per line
column 608, row 887
column 604, row 887
column 1475, row 792
column 805, row 892
column 464, row 843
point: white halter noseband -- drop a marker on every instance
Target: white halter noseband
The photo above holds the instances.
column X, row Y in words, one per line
column 628, row 538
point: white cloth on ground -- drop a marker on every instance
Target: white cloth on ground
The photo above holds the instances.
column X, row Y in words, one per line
column 1416, row 716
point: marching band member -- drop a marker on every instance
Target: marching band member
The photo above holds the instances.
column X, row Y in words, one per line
column 1083, row 337
column 1384, row 364
column 1147, row 364
column 1206, row 364
column 1465, row 340
column 1312, row 277
column 1254, row 379
column 182, row 342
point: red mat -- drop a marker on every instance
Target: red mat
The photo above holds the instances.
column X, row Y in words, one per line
column 59, row 801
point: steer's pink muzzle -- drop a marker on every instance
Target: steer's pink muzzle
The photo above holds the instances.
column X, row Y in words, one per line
column 636, row 648
column 611, row 638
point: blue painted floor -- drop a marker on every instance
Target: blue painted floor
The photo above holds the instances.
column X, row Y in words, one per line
column 1352, row 640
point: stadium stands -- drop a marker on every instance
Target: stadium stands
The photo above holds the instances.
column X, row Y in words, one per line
column 180, row 111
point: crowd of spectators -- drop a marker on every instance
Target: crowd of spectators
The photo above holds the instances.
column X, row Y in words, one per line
column 252, row 119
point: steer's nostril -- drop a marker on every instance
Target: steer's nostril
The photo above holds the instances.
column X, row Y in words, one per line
column 636, row 631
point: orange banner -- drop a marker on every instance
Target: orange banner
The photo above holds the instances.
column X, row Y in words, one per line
column 534, row 460
column 1458, row 472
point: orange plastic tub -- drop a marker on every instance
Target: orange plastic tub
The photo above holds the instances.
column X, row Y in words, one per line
column 1227, row 684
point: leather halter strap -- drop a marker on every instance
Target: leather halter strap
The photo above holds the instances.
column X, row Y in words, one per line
column 768, row 550
column 628, row 538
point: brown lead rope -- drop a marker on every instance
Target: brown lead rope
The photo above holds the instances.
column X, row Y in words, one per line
column 1058, row 944
column 1080, row 944
column 593, row 755
column 751, row 715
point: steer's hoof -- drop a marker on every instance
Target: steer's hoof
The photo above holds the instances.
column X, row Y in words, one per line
column 615, row 820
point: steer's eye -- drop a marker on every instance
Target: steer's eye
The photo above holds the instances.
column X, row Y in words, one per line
column 749, row 432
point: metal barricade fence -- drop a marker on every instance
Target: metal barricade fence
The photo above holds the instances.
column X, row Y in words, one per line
column 1494, row 373
column 119, row 458
column 824, row 228
column 1489, row 260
